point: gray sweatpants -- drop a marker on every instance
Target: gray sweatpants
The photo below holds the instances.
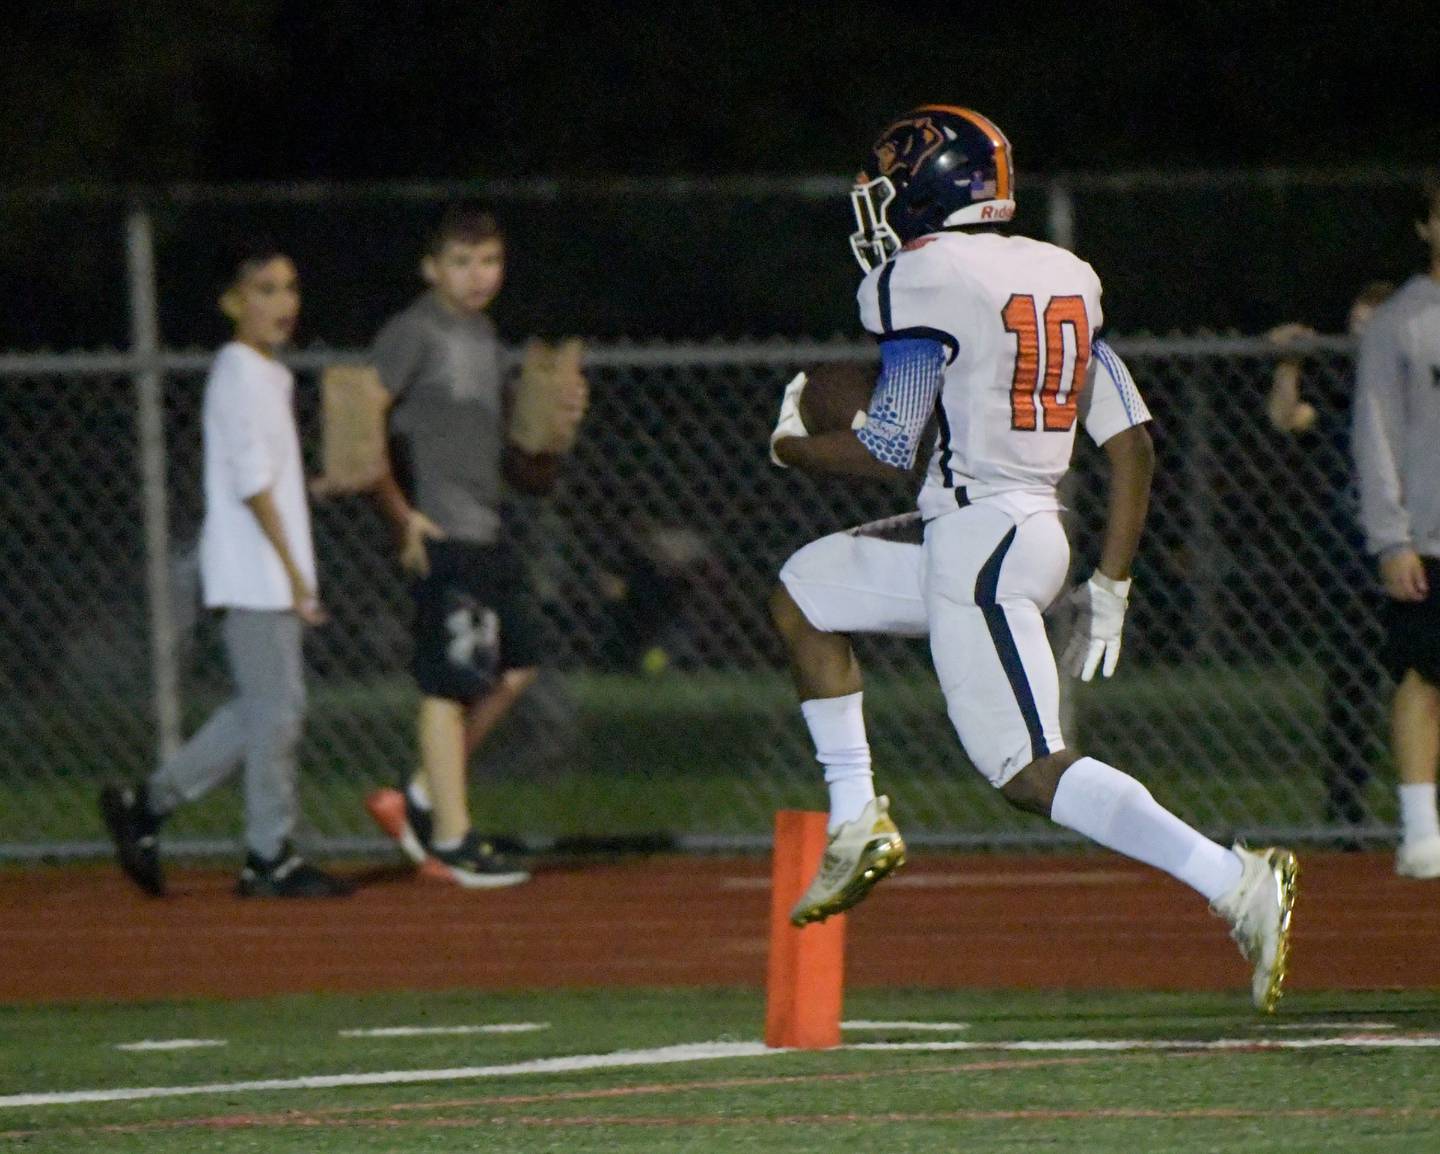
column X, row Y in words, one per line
column 260, row 726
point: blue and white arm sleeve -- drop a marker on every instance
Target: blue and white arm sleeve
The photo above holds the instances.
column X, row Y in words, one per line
column 1112, row 403
column 912, row 370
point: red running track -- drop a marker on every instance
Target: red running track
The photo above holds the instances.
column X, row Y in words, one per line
column 984, row 921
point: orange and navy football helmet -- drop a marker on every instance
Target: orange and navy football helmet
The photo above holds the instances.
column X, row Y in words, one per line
column 936, row 167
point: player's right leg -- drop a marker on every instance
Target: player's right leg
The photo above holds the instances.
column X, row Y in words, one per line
column 987, row 578
column 1253, row 890
column 842, row 584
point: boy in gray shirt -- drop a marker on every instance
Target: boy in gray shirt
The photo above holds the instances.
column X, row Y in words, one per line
column 1397, row 456
column 476, row 626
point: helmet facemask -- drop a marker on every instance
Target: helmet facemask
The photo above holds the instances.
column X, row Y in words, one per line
column 874, row 241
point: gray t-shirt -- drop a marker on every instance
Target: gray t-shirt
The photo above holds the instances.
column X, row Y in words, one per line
column 445, row 373
column 1397, row 421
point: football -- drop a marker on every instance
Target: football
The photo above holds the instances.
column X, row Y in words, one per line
column 834, row 392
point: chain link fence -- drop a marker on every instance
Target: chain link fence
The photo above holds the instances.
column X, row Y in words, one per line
column 1248, row 696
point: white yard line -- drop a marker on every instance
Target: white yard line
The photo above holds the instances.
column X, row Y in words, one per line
column 1123, row 1045
column 427, row 1031
column 1352, row 1027
column 934, row 1027
column 172, row 1044
column 708, row 1051
column 661, row 1056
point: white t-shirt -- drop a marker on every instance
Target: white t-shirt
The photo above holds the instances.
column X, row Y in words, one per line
column 251, row 444
column 1017, row 317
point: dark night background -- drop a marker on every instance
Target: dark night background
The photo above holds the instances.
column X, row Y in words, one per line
column 129, row 96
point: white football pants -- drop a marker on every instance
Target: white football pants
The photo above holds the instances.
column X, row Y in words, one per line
column 977, row 587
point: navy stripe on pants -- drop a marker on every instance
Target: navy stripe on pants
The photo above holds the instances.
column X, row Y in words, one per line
column 986, row 585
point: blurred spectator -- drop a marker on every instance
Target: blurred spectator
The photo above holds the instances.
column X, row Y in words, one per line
column 257, row 564
column 656, row 571
column 1312, row 412
column 1397, row 458
column 459, row 432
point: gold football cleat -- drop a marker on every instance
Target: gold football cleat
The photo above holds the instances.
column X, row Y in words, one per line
column 859, row 854
column 1259, row 910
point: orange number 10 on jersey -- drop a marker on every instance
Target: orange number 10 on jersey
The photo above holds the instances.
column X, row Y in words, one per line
column 1023, row 319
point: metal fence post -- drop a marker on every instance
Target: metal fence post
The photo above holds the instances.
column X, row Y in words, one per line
column 1060, row 215
column 150, row 433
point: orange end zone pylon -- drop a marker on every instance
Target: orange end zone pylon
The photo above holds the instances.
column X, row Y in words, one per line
column 806, row 981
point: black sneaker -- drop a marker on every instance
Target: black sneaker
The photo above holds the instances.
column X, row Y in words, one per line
column 422, row 822
column 288, row 876
column 507, row 844
column 475, row 865
column 134, row 829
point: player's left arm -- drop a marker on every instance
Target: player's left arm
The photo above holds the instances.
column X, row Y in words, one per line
column 1132, row 466
column 1100, row 603
column 1116, row 418
column 884, row 446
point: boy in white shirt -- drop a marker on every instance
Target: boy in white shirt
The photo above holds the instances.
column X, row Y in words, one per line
column 257, row 564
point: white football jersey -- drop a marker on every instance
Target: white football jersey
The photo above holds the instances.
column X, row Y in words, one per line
column 1017, row 318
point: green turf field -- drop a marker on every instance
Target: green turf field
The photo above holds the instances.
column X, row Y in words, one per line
column 1142, row 1074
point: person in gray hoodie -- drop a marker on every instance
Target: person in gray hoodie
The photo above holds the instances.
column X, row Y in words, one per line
column 1396, row 442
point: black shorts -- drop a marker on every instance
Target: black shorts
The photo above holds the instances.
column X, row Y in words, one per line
column 1412, row 631
column 475, row 617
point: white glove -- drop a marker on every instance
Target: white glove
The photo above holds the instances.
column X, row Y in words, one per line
column 1099, row 607
column 789, row 423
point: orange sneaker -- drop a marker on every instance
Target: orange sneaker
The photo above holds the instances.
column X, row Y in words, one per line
column 398, row 820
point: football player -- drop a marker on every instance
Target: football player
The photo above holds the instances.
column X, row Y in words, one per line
column 993, row 335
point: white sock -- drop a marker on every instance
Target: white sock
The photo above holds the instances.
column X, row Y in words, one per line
column 1418, row 817
column 419, row 795
column 837, row 727
column 1114, row 809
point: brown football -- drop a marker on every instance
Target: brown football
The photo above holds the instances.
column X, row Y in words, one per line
column 834, row 392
